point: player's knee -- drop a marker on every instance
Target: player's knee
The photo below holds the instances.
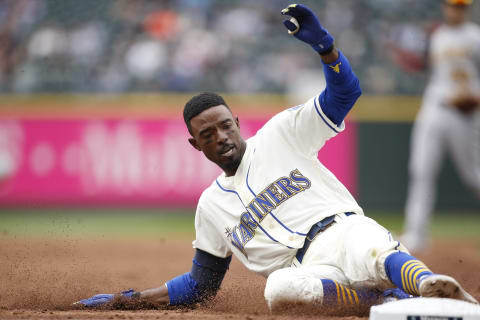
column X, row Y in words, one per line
column 383, row 280
column 279, row 289
column 287, row 287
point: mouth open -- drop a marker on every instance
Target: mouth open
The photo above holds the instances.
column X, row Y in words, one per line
column 227, row 152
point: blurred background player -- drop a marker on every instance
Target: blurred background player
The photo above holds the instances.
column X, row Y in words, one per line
column 448, row 119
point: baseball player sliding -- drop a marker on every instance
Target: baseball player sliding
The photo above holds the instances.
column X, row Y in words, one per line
column 282, row 213
column 448, row 120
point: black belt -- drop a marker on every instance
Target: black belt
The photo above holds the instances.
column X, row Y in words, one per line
column 314, row 230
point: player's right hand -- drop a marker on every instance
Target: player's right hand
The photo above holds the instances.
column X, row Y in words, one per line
column 309, row 29
column 103, row 298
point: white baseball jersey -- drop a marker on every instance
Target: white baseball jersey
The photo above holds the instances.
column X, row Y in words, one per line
column 280, row 189
column 455, row 61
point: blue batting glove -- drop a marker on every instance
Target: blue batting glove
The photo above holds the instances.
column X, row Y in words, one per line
column 100, row 299
column 309, row 29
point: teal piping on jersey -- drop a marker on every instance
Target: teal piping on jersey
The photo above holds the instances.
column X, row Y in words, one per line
column 391, row 239
column 321, row 116
column 398, row 245
column 258, row 223
column 270, row 212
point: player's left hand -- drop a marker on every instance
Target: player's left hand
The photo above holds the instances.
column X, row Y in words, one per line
column 465, row 103
column 103, row 298
column 305, row 26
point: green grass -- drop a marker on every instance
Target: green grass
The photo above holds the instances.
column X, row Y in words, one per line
column 95, row 222
column 445, row 224
column 170, row 222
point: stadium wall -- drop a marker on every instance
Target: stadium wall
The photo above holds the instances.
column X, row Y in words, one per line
column 132, row 150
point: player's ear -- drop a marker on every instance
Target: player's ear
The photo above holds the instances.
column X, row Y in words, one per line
column 237, row 121
column 194, row 143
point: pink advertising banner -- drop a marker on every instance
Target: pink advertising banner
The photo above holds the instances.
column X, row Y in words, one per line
column 119, row 162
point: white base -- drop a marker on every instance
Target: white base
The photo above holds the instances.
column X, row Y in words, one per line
column 426, row 309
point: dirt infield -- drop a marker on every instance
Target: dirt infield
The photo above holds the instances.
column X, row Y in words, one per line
column 40, row 278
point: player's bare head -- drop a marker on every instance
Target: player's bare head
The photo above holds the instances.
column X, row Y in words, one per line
column 199, row 103
column 215, row 131
column 455, row 11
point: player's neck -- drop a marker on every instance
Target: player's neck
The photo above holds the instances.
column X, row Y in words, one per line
column 232, row 169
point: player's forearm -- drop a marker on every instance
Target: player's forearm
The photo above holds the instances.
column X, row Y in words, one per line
column 338, row 72
column 343, row 88
column 157, row 295
column 201, row 283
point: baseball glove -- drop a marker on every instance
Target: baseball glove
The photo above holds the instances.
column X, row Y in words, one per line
column 465, row 103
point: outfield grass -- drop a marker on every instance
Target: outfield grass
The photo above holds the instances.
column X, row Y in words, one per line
column 169, row 222
column 445, row 224
column 98, row 222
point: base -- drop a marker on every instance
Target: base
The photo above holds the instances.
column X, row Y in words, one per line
column 426, row 309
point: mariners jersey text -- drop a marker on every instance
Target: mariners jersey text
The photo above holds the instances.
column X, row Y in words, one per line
column 263, row 203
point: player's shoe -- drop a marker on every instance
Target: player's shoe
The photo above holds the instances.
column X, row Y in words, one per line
column 442, row 286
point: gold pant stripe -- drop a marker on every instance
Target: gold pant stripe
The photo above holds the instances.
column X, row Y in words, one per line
column 355, row 296
column 338, row 292
column 343, row 294
column 350, row 299
column 406, row 275
column 402, row 273
column 411, row 277
column 415, row 277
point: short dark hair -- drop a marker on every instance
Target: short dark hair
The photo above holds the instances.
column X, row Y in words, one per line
column 199, row 103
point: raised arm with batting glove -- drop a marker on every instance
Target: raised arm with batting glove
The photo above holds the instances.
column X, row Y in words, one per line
column 343, row 87
column 305, row 26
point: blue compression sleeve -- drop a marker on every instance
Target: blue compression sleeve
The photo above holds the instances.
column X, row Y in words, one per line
column 202, row 282
column 182, row 290
column 342, row 90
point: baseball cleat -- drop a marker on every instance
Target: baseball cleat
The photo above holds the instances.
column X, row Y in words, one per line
column 442, row 286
